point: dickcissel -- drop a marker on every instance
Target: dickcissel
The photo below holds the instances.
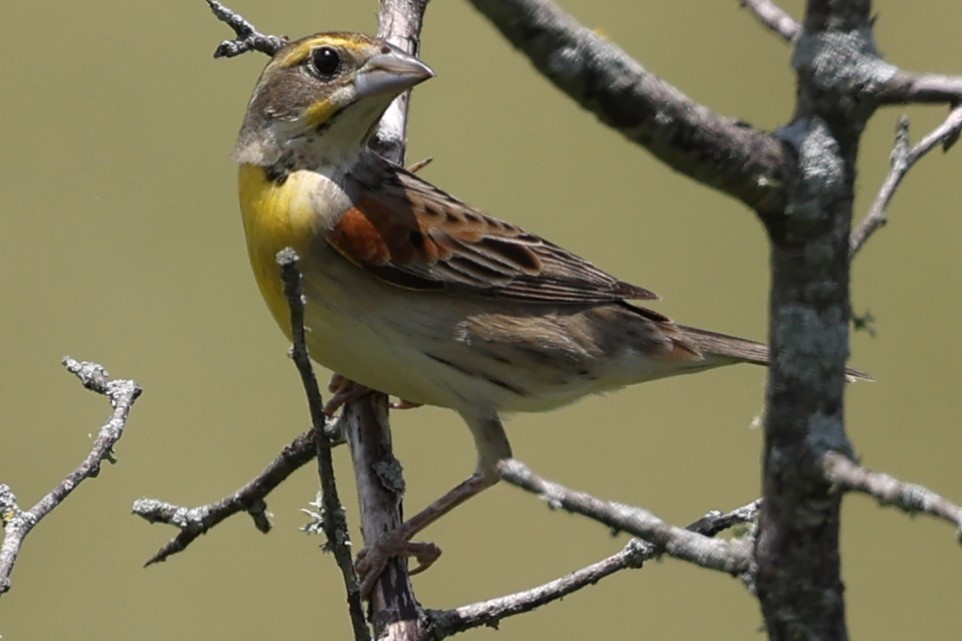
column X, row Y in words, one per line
column 414, row 293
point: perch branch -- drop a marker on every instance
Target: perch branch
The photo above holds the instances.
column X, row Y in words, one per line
column 395, row 611
column 17, row 522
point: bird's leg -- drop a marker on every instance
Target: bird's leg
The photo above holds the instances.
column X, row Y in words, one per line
column 493, row 447
column 344, row 390
column 372, row 560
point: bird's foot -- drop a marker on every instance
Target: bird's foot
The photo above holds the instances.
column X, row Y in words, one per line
column 343, row 391
column 372, row 560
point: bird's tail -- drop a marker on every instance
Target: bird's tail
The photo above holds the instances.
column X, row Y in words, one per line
column 736, row 349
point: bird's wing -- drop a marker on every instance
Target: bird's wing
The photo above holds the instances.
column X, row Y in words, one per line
column 408, row 233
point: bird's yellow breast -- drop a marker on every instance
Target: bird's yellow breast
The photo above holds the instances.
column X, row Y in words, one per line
column 277, row 214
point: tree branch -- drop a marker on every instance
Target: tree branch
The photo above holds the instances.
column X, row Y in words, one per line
column 907, row 87
column 720, row 152
column 195, row 521
column 902, row 160
column 395, row 611
column 445, row 623
column 731, row 557
column 17, row 523
column 849, row 476
column 248, row 38
column 798, row 572
column 773, row 17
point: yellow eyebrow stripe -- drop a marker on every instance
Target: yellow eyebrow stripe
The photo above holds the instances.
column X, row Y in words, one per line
column 301, row 50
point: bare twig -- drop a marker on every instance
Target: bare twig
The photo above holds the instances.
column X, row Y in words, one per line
column 773, row 17
column 17, row 523
column 334, row 520
column 445, row 623
column 903, row 158
column 718, row 151
column 731, row 557
column 195, row 521
column 848, row 475
column 248, row 38
column 715, row 522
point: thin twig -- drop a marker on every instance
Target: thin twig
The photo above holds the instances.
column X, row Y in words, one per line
column 773, row 17
column 334, row 520
column 888, row 490
column 195, row 521
column 731, row 557
column 715, row 522
column 248, row 38
column 17, row 523
column 444, row 623
column 902, row 160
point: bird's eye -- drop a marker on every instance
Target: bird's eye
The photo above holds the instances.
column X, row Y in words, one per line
column 325, row 61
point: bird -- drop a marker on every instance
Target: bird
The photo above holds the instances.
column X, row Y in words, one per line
column 419, row 295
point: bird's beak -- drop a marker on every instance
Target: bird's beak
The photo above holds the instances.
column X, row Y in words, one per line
column 390, row 73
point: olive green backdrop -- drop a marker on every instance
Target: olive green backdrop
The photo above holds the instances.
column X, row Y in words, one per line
column 120, row 241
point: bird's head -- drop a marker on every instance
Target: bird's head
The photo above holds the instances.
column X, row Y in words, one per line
column 320, row 98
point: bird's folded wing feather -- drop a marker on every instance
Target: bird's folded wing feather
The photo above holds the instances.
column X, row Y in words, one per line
column 413, row 235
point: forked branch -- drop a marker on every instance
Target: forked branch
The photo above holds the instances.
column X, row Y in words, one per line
column 903, row 158
column 248, row 38
column 444, row 623
column 17, row 522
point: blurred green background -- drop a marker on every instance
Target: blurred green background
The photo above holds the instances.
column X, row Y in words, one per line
column 122, row 243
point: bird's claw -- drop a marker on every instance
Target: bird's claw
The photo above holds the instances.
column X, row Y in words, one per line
column 343, row 391
column 372, row 560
